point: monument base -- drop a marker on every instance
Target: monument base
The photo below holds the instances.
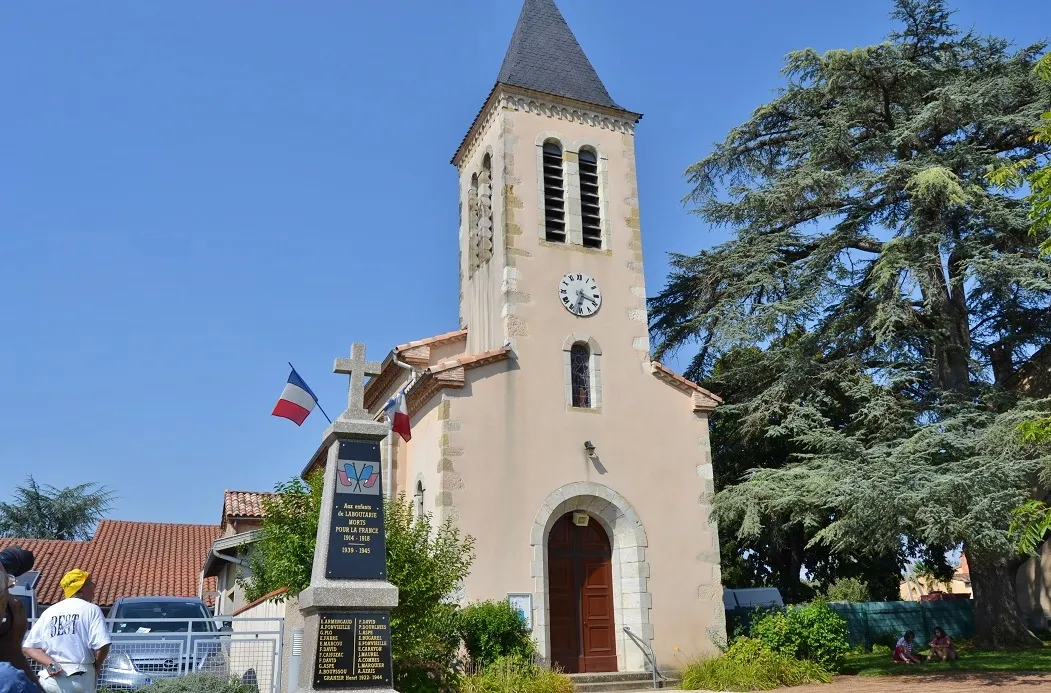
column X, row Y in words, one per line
column 347, row 594
column 353, row 640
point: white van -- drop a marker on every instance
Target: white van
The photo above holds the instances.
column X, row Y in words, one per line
column 25, row 592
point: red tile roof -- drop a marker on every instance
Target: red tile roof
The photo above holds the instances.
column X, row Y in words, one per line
column 449, row 373
column 416, row 353
column 127, row 559
column 244, row 504
column 703, row 400
column 437, row 340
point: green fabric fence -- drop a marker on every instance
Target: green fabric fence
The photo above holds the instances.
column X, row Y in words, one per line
column 884, row 622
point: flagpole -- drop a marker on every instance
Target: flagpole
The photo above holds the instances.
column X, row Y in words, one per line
column 322, row 411
column 315, row 401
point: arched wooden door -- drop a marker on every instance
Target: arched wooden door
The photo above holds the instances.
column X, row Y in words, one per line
column 580, row 597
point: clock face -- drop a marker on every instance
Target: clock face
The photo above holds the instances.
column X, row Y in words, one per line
column 579, row 294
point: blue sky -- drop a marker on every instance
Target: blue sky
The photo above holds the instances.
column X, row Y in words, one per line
column 194, row 193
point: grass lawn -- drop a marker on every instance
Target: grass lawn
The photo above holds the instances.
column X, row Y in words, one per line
column 1035, row 660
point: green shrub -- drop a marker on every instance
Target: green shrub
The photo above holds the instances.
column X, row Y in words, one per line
column 878, row 649
column 515, row 675
column 197, row 683
column 491, row 630
column 887, row 638
column 848, row 590
column 814, row 632
column 749, row 666
column 422, row 676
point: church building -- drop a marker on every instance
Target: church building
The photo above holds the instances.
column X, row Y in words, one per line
column 541, row 425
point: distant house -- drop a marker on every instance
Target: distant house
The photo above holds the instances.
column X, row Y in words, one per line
column 227, row 558
column 914, row 588
column 1032, row 584
column 126, row 559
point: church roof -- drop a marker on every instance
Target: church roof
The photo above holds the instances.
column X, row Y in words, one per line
column 416, row 353
column 545, row 56
column 449, row 373
column 703, row 400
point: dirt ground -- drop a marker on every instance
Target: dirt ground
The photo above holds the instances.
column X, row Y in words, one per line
column 947, row 683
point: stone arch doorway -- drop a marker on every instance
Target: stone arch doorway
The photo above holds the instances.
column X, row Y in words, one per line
column 580, row 595
column 631, row 571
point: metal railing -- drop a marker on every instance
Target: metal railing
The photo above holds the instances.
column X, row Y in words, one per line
column 648, row 653
column 145, row 650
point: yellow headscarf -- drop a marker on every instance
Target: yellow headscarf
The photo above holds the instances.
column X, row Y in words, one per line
column 73, row 581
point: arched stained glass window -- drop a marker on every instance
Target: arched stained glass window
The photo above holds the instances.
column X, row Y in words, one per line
column 418, row 497
column 580, row 375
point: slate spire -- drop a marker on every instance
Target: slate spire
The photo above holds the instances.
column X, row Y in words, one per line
column 545, row 56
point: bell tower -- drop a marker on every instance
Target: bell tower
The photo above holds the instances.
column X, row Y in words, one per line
column 561, row 443
column 550, row 244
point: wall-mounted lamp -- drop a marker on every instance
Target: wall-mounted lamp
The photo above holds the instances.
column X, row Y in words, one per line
column 589, row 447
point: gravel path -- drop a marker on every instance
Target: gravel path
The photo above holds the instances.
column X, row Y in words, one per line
column 942, row 683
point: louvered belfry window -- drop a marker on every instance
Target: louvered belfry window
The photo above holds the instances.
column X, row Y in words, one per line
column 554, row 194
column 580, row 375
column 591, row 220
column 473, row 219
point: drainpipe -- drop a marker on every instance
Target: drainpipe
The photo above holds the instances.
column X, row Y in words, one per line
column 390, row 434
column 231, row 559
column 390, row 454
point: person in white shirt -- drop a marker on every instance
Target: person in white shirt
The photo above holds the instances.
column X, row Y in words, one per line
column 70, row 640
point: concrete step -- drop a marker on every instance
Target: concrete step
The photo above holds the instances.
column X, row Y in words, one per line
column 612, row 676
column 619, row 681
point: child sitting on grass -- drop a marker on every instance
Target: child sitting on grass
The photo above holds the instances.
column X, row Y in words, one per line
column 942, row 647
column 904, row 650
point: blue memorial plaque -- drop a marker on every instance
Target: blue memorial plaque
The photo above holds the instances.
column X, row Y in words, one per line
column 357, row 547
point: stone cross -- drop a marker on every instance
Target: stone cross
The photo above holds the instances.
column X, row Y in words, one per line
column 358, row 369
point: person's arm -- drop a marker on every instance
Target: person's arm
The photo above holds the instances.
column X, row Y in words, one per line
column 99, row 638
column 34, row 647
column 42, row 658
column 100, row 657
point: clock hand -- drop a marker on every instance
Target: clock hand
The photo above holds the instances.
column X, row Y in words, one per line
column 590, row 299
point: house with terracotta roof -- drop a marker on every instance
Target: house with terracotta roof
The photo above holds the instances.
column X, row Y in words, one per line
column 226, row 560
column 127, row 559
column 915, row 588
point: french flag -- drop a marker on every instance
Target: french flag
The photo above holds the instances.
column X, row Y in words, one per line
column 398, row 414
column 297, row 400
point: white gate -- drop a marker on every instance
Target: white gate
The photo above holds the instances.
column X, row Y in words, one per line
column 243, row 649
